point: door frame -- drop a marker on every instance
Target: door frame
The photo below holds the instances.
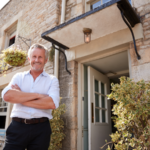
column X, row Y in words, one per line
column 81, row 88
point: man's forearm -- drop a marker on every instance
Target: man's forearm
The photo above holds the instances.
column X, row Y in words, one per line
column 16, row 96
column 42, row 103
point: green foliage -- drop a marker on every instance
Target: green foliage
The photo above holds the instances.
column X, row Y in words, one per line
column 13, row 56
column 57, row 126
column 51, row 54
column 132, row 112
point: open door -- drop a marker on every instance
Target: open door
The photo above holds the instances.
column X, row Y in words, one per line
column 99, row 118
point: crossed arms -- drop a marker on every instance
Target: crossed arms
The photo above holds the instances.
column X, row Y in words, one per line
column 34, row 100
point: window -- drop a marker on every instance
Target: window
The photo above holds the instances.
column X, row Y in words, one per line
column 130, row 2
column 100, row 102
column 12, row 40
column 3, row 112
column 98, row 3
column 10, row 35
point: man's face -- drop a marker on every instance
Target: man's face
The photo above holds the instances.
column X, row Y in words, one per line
column 37, row 59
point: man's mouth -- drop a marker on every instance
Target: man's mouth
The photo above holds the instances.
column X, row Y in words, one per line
column 38, row 63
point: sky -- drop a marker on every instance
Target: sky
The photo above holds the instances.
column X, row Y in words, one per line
column 3, row 3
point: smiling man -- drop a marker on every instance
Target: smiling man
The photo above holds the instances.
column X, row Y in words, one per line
column 34, row 94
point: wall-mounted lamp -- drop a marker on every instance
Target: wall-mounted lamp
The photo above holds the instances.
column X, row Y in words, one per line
column 87, row 35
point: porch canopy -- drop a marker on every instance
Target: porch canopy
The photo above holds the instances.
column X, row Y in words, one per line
column 103, row 20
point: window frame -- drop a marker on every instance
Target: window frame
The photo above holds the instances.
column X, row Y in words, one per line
column 100, row 104
column 3, row 105
column 9, row 33
column 88, row 4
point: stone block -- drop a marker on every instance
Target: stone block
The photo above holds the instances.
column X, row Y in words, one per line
column 49, row 19
column 70, row 2
column 147, row 36
column 145, row 24
column 71, row 64
column 73, row 13
column 146, row 42
column 146, row 28
column 71, row 106
column 147, row 15
column 140, row 9
column 66, row 144
column 64, row 90
column 65, row 73
column 145, row 57
column 139, row 3
column 147, row 8
column 70, row 122
column 141, row 72
column 73, row 139
column 79, row 9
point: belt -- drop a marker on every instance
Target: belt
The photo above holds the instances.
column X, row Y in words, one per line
column 30, row 121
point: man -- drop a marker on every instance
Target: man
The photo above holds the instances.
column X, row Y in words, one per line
column 34, row 94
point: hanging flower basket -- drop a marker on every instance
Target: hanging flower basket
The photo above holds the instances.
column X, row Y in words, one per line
column 14, row 56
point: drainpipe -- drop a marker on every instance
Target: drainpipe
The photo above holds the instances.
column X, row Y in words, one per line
column 63, row 11
column 56, row 68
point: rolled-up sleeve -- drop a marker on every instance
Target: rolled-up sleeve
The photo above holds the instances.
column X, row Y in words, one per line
column 54, row 91
column 13, row 81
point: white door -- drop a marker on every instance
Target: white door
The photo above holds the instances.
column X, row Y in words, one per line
column 99, row 109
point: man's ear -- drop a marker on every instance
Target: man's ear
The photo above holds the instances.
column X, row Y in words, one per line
column 28, row 59
column 46, row 61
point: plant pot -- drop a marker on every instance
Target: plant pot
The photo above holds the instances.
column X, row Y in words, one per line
column 14, row 56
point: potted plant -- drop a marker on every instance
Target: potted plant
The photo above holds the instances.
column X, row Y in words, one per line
column 13, row 56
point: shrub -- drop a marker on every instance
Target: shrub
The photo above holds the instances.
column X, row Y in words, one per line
column 57, row 126
column 132, row 112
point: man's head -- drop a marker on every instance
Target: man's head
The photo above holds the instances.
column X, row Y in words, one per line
column 37, row 56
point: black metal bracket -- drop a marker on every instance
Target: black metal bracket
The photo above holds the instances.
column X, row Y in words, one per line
column 24, row 40
column 64, row 56
column 124, row 19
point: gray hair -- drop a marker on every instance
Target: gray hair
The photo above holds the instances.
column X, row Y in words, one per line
column 40, row 46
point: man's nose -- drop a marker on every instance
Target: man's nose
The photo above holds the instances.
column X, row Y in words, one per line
column 36, row 59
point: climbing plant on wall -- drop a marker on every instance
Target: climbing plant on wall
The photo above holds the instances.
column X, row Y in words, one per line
column 57, row 126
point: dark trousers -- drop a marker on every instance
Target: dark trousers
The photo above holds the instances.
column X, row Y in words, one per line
column 20, row 136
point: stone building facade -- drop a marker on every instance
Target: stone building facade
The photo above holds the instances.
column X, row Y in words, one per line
column 30, row 18
column 140, row 68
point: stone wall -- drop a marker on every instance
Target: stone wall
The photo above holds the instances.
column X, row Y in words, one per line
column 74, row 8
column 140, row 68
column 68, row 92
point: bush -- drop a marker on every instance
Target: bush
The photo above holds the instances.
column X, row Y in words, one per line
column 132, row 112
column 57, row 126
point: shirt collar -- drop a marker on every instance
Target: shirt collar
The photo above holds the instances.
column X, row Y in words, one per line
column 43, row 73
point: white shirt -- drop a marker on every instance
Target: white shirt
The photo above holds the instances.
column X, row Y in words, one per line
column 44, row 84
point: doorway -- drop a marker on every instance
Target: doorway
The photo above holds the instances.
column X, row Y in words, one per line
column 98, row 76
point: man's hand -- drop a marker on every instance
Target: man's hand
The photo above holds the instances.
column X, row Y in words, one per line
column 16, row 87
